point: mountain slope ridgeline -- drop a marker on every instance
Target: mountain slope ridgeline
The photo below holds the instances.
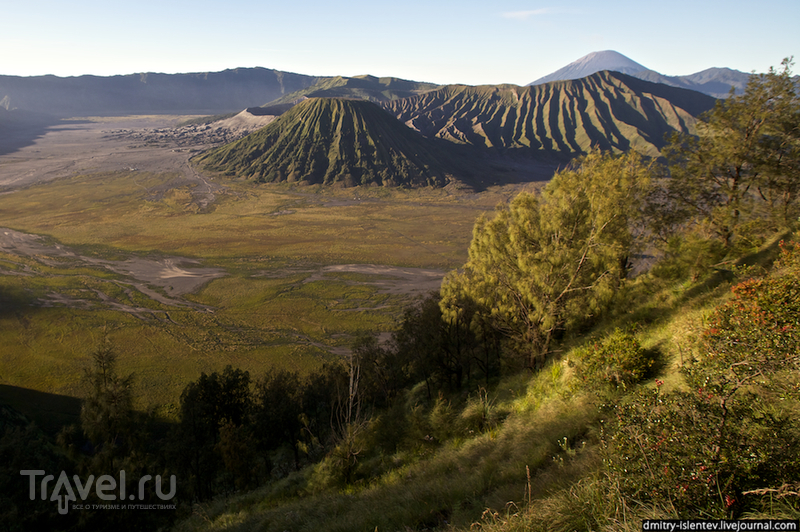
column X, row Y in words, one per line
column 716, row 82
column 366, row 87
column 196, row 93
column 607, row 110
column 333, row 141
column 591, row 63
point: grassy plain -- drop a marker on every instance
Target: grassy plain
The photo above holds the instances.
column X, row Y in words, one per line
column 422, row 227
column 275, row 306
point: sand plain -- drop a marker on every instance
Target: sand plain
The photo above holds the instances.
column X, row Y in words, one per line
column 33, row 153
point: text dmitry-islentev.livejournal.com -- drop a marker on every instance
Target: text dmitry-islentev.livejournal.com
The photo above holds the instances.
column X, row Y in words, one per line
column 672, row 525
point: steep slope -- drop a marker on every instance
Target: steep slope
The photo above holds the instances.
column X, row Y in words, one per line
column 591, row 63
column 333, row 141
column 198, row 93
column 607, row 110
column 716, row 82
column 362, row 87
column 20, row 128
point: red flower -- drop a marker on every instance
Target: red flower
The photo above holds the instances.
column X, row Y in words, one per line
column 729, row 501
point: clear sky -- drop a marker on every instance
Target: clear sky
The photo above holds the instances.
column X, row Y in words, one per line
column 441, row 41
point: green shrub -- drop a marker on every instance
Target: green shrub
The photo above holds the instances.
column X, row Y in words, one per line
column 692, row 453
column 710, row 451
column 442, row 420
column 481, row 414
column 689, row 255
column 757, row 333
column 618, row 360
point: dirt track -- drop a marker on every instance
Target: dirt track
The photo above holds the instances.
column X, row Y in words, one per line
column 175, row 275
column 389, row 279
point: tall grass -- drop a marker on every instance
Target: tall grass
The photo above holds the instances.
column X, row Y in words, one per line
column 441, row 483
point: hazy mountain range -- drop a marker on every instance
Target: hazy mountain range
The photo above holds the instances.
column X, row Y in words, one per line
column 716, row 82
column 236, row 89
column 198, row 93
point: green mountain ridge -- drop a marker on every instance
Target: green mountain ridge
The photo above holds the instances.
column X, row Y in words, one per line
column 607, row 110
column 333, row 141
column 362, row 87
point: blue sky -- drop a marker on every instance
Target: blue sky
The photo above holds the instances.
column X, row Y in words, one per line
column 441, row 41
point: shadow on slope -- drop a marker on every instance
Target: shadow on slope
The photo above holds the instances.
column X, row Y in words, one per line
column 49, row 411
column 19, row 129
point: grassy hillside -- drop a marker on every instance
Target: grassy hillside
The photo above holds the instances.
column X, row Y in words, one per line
column 607, row 110
column 333, row 141
column 527, row 453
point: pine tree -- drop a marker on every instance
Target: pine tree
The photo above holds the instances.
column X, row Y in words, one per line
column 107, row 415
column 545, row 263
column 744, row 158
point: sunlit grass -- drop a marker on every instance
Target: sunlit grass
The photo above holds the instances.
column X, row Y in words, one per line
column 449, row 485
column 479, row 480
column 415, row 228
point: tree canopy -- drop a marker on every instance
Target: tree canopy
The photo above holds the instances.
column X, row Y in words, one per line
column 744, row 162
column 548, row 262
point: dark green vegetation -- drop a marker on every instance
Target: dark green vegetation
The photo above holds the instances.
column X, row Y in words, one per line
column 741, row 172
column 607, row 111
column 559, row 257
column 731, row 435
column 334, row 141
